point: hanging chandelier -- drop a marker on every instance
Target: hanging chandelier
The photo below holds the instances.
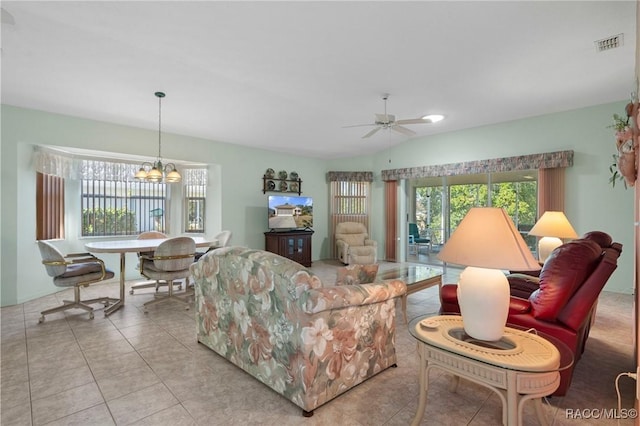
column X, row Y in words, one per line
column 156, row 171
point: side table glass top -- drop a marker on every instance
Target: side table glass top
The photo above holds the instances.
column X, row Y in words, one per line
column 522, row 350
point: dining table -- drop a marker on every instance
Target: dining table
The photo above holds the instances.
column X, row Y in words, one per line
column 133, row 246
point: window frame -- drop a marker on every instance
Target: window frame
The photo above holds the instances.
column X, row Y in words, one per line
column 143, row 196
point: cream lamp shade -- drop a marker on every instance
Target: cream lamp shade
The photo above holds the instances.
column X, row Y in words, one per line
column 486, row 241
column 552, row 226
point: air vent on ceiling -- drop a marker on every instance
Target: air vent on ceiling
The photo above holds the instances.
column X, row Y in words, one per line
column 609, row 43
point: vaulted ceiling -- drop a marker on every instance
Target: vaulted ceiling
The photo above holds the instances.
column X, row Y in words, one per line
column 289, row 76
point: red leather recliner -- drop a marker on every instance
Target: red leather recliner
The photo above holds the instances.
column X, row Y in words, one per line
column 562, row 300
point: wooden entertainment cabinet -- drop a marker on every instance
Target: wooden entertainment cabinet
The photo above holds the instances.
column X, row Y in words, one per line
column 294, row 245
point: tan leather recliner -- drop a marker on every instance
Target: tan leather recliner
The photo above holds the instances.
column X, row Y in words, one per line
column 353, row 244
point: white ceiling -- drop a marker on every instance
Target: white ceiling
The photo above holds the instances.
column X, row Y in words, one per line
column 288, row 76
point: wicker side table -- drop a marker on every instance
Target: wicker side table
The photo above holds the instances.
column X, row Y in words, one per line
column 519, row 367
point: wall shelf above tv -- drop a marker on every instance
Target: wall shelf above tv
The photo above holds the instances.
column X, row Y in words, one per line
column 292, row 186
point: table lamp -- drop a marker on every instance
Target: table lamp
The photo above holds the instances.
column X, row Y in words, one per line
column 486, row 242
column 552, row 226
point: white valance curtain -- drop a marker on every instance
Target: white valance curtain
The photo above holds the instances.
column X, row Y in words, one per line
column 76, row 166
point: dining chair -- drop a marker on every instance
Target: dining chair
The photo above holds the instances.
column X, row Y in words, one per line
column 221, row 240
column 170, row 261
column 148, row 235
column 74, row 270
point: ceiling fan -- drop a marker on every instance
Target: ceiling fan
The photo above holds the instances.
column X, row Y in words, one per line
column 388, row 121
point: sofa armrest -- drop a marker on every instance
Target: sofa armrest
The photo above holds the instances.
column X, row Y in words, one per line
column 522, row 285
column 343, row 248
column 518, row 305
column 342, row 244
column 344, row 296
column 368, row 242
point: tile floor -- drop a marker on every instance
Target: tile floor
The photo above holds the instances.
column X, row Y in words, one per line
column 132, row 368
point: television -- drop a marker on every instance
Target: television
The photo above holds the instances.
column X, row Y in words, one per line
column 289, row 212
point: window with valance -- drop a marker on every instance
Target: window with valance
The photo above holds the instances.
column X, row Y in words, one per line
column 350, row 194
column 112, row 201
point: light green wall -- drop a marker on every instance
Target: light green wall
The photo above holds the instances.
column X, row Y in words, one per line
column 243, row 206
column 591, row 202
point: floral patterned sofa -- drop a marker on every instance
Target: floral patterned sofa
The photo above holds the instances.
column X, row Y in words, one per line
column 273, row 318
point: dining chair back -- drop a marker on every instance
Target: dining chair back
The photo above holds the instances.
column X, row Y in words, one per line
column 170, row 261
column 150, row 235
column 222, row 239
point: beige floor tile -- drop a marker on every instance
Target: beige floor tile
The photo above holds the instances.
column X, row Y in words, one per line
column 17, row 415
column 156, row 337
column 130, row 320
column 59, row 332
column 59, row 380
column 174, row 416
column 13, row 333
column 12, row 348
column 13, row 374
column 100, row 338
column 117, row 385
column 170, row 353
column 142, row 403
column 49, row 326
column 113, row 364
column 95, row 416
column 97, row 353
column 66, row 403
column 14, row 394
column 13, row 356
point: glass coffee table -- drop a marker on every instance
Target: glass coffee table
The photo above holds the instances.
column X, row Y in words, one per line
column 416, row 277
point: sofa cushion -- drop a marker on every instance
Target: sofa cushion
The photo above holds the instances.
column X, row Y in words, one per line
column 357, row 274
column 563, row 272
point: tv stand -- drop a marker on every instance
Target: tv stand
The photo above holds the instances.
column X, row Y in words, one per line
column 294, row 245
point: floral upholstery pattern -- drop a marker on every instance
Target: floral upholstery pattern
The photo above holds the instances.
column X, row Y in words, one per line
column 357, row 274
column 273, row 318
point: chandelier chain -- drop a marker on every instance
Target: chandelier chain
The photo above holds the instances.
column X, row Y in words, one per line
column 160, row 95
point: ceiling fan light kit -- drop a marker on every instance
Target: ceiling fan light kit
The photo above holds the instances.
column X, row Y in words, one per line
column 433, row 118
column 389, row 122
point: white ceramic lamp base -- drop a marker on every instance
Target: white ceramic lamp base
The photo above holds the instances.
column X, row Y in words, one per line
column 483, row 297
column 546, row 245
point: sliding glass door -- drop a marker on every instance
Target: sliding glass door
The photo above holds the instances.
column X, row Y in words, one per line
column 438, row 205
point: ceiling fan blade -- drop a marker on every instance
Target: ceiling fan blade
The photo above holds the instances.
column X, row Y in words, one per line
column 412, row 121
column 359, row 125
column 371, row 133
column 403, row 130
